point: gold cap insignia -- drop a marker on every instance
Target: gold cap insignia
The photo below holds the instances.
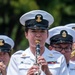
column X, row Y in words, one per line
column 73, row 28
column 38, row 19
column 24, row 55
column 1, row 43
column 64, row 34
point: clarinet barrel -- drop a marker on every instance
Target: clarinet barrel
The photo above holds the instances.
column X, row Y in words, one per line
column 37, row 53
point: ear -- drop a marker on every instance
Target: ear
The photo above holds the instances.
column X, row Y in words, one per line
column 47, row 34
column 26, row 35
column 50, row 48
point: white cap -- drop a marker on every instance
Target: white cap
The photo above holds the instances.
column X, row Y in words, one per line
column 7, row 40
column 71, row 25
column 56, row 30
column 31, row 15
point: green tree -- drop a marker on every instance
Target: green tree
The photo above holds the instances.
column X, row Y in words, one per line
column 11, row 10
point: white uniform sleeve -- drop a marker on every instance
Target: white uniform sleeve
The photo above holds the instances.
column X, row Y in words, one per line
column 63, row 69
column 12, row 67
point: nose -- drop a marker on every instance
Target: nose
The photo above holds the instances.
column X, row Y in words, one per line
column 38, row 34
column 63, row 51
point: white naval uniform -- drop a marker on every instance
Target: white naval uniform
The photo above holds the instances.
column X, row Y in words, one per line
column 21, row 61
column 71, row 68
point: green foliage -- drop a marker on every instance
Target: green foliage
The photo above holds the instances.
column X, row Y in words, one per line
column 63, row 12
column 23, row 5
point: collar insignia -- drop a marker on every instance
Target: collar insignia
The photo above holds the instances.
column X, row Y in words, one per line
column 23, row 55
column 51, row 55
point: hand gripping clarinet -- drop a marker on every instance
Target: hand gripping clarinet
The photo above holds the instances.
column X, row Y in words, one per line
column 37, row 53
column 1, row 64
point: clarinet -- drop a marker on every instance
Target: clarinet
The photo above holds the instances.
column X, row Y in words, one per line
column 37, row 53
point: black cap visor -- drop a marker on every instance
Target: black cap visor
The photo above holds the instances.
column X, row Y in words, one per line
column 38, row 26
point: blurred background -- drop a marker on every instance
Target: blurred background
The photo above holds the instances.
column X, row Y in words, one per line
column 63, row 12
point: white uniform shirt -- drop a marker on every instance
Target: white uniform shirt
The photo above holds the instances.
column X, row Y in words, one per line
column 71, row 67
column 21, row 61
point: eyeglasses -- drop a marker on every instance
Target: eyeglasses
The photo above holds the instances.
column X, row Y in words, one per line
column 66, row 49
